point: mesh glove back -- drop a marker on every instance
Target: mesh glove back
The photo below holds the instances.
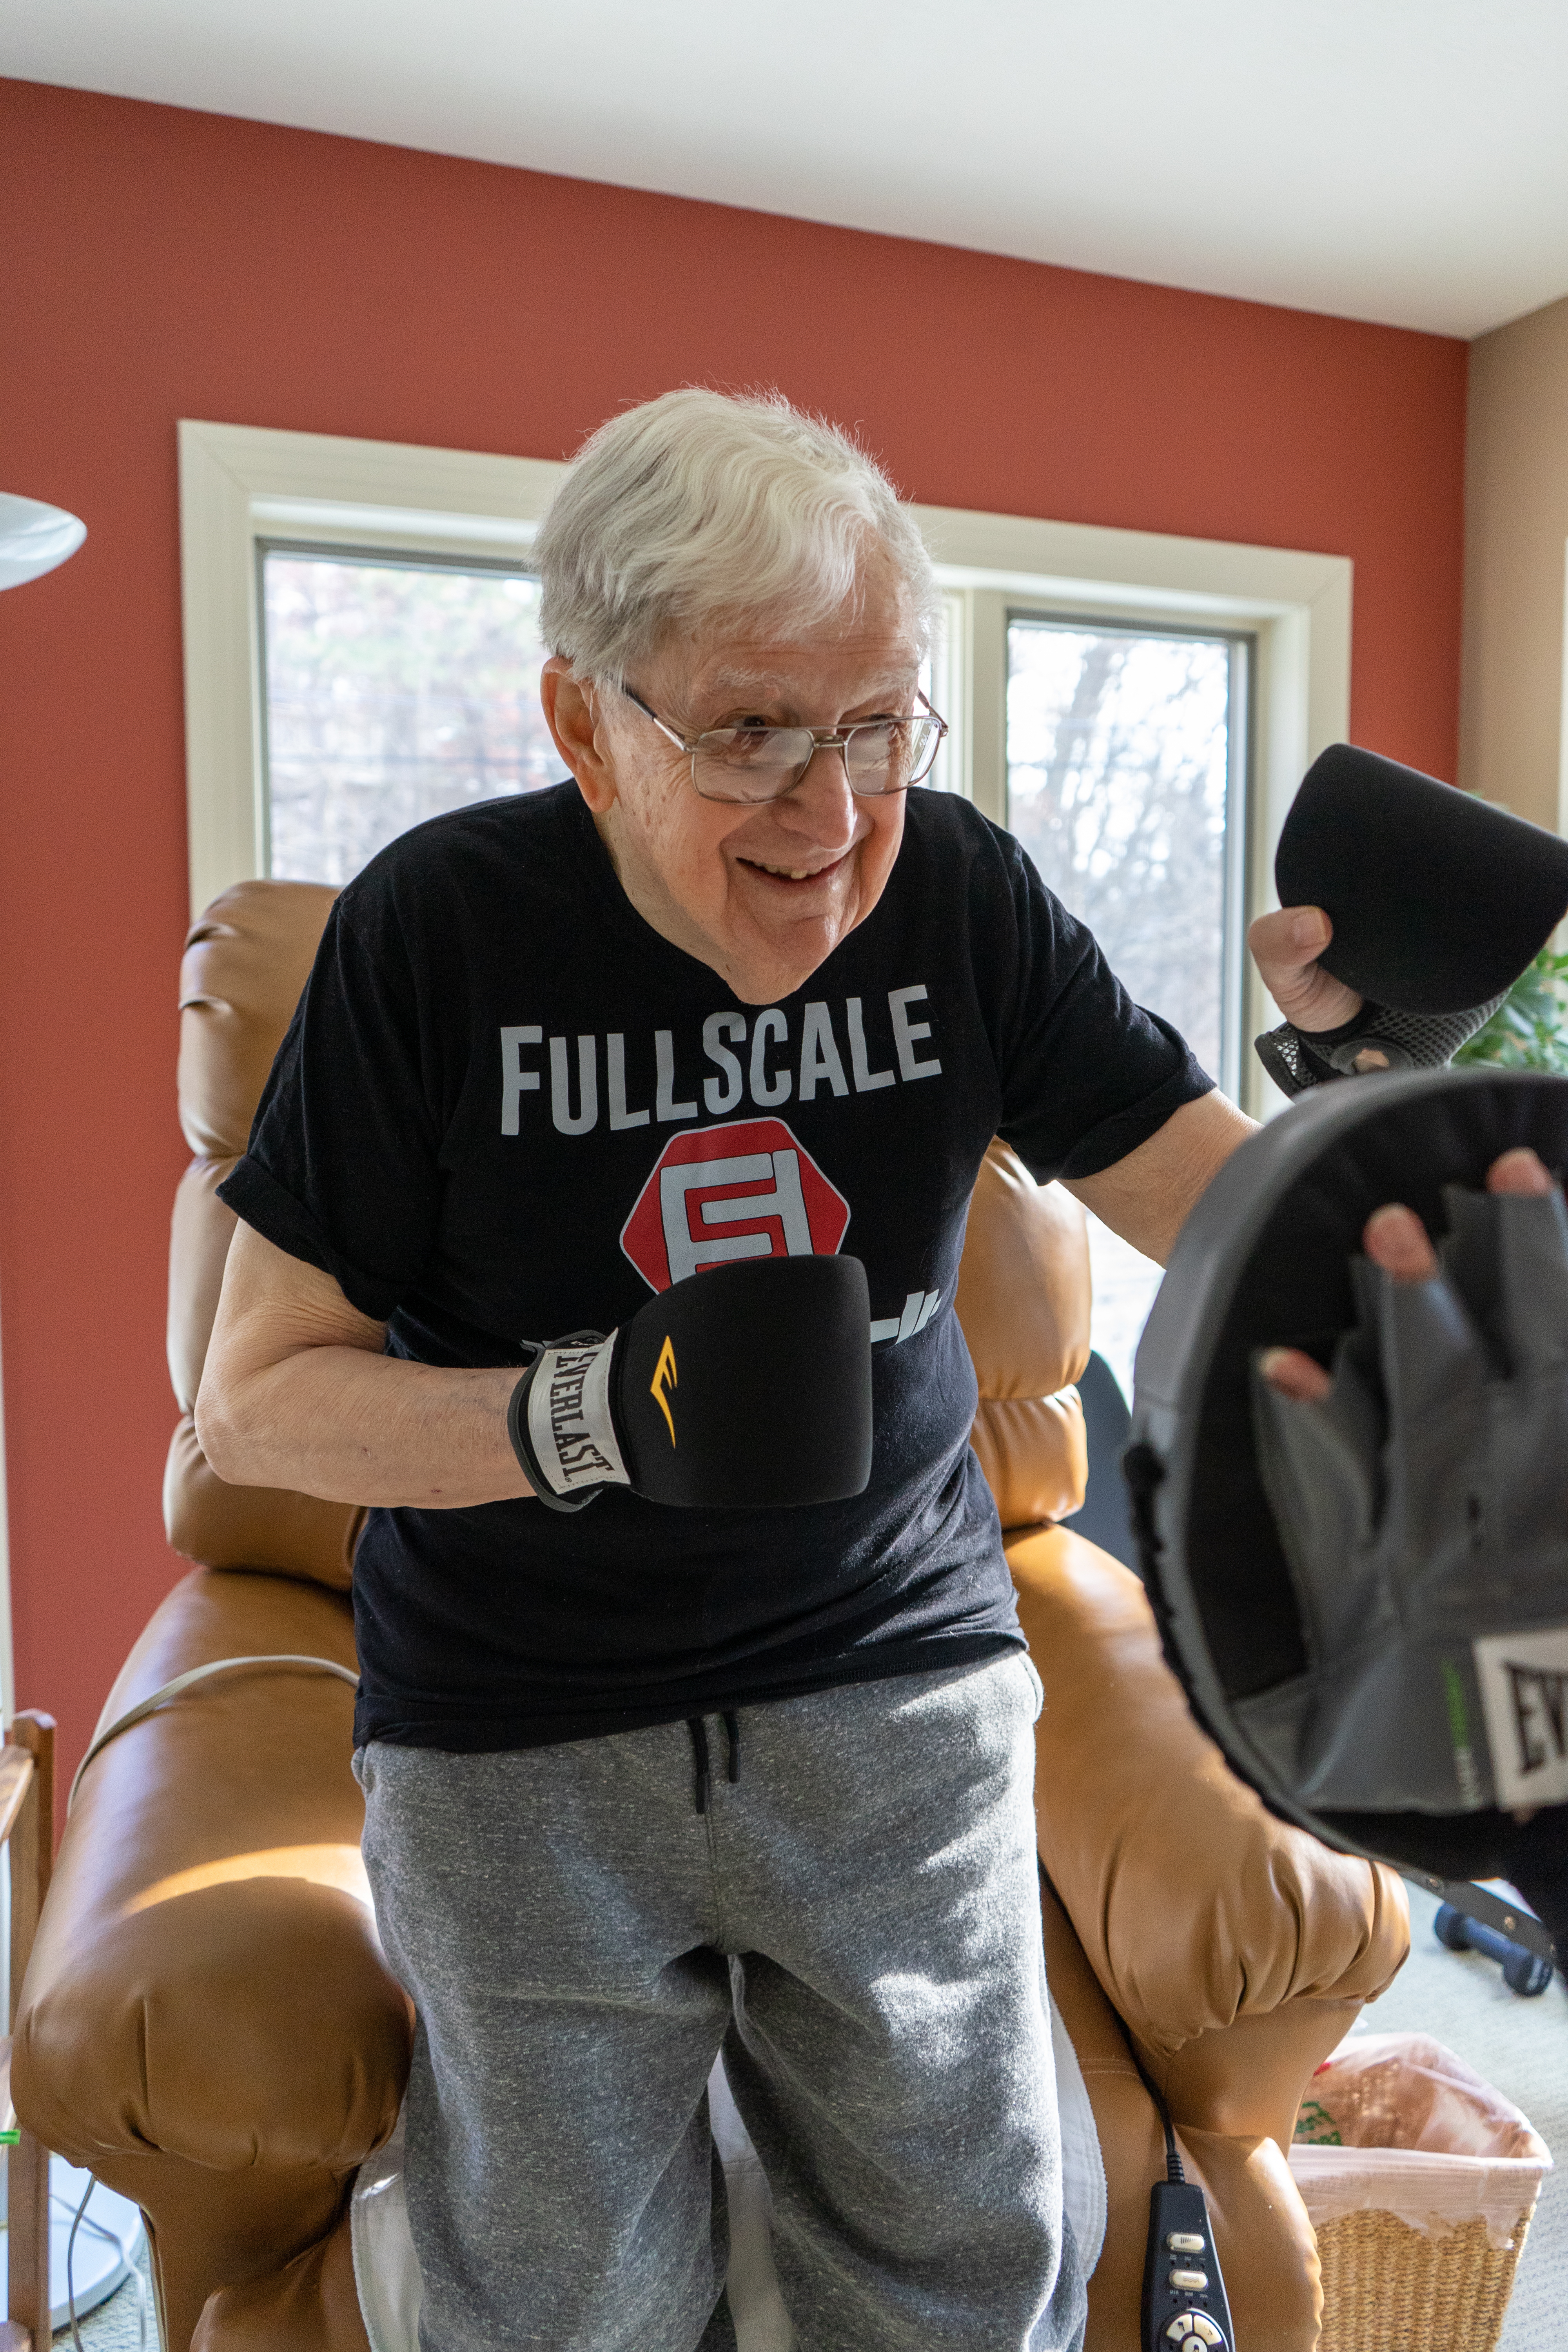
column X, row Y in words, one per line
column 1422, row 1510
column 1375, row 1041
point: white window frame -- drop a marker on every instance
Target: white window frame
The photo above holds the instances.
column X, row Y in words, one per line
column 242, row 484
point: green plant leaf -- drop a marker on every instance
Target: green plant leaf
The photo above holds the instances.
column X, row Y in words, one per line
column 1529, row 1030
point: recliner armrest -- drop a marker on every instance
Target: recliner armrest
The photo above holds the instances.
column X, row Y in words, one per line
column 1196, row 1906
column 207, row 2020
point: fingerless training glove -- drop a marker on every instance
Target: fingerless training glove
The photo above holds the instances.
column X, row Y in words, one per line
column 1377, row 1040
column 1421, row 1510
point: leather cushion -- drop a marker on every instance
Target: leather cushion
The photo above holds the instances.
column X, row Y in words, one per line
column 1024, row 1284
column 267, row 1528
column 246, row 959
column 200, row 1232
column 206, row 1978
column 311, row 2306
column 1023, row 1305
column 1035, row 1453
column 1262, row 2234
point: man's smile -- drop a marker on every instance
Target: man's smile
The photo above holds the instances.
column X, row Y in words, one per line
column 792, row 872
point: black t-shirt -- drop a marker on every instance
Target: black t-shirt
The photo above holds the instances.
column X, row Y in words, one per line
column 507, row 1109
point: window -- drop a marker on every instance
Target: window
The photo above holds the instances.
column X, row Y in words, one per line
column 1127, row 785
column 394, row 688
column 362, row 649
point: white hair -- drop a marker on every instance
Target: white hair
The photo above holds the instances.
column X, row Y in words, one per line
column 702, row 506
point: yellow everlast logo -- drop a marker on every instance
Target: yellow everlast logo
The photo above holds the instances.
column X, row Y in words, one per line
column 665, row 1374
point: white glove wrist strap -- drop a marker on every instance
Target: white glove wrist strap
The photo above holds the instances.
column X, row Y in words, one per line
column 569, row 1421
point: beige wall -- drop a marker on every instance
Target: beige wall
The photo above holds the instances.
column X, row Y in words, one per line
column 1516, row 547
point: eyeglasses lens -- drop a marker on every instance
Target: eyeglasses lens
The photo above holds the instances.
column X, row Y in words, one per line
column 751, row 764
column 886, row 759
column 759, row 763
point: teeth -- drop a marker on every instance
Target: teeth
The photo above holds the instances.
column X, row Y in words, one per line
column 790, row 872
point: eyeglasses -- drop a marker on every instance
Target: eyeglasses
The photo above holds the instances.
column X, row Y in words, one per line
column 762, row 764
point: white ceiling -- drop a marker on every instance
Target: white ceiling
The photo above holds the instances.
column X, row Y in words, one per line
column 1397, row 160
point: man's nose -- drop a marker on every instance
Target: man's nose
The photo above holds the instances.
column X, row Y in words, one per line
column 823, row 796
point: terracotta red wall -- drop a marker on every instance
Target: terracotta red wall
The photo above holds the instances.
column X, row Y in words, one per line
column 159, row 264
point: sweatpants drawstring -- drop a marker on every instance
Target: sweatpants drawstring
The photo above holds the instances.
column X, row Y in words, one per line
column 701, row 1760
column 699, row 1730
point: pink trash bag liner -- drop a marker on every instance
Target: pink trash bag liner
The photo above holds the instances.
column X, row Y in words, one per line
column 1394, row 2122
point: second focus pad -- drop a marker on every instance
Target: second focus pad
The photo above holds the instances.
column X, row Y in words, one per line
column 750, row 1386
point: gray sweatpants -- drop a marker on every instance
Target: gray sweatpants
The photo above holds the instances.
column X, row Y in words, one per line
column 853, row 1915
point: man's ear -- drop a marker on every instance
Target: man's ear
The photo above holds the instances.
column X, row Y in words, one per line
column 571, row 715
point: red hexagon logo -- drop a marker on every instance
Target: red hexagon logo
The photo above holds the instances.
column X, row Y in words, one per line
column 720, row 1194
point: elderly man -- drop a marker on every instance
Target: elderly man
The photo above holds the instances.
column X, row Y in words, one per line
column 642, row 1783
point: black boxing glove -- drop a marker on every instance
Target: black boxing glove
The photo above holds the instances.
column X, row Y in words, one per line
column 745, row 1386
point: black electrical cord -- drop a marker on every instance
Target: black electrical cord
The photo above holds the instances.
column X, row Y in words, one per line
column 1172, row 2155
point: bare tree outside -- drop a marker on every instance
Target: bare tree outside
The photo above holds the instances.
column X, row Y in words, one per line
column 1117, row 774
column 395, row 691
column 1117, row 754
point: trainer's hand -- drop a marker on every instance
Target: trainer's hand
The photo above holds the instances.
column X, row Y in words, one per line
column 1285, row 947
column 1395, row 1239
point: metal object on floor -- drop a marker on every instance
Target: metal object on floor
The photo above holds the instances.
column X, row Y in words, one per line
column 107, row 2241
column 1524, row 1971
column 1510, row 1920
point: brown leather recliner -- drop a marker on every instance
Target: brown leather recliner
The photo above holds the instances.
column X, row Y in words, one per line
column 207, row 2020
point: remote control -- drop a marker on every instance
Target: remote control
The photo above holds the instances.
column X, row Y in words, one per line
column 1185, row 2309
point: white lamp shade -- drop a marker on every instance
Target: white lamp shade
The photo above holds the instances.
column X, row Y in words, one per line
column 34, row 538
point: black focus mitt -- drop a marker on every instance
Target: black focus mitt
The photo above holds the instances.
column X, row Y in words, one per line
column 1367, row 1598
column 1438, row 901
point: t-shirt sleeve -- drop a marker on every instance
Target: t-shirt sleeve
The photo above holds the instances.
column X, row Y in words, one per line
column 1087, row 1074
column 342, row 1167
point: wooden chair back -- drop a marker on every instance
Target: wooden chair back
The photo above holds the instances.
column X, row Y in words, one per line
column 27, row 1830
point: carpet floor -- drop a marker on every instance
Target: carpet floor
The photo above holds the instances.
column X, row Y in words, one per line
column 117, row 2325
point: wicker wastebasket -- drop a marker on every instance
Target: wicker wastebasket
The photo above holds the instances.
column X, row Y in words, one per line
column 1419, row 2179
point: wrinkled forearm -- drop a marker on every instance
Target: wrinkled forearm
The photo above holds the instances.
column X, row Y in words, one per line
column 353, row 1427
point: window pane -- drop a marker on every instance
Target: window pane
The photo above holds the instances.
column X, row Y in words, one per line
column 1117, row 768
column 394, row 691
column 941, row 675
column 1124, row 1284
column 1118, row 783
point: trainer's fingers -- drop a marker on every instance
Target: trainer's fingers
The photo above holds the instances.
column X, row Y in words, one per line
column 1295, row 1375
column 1395, row 1239
column 1522, row 1225
column 1286, row 947
column 1519, row 1170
